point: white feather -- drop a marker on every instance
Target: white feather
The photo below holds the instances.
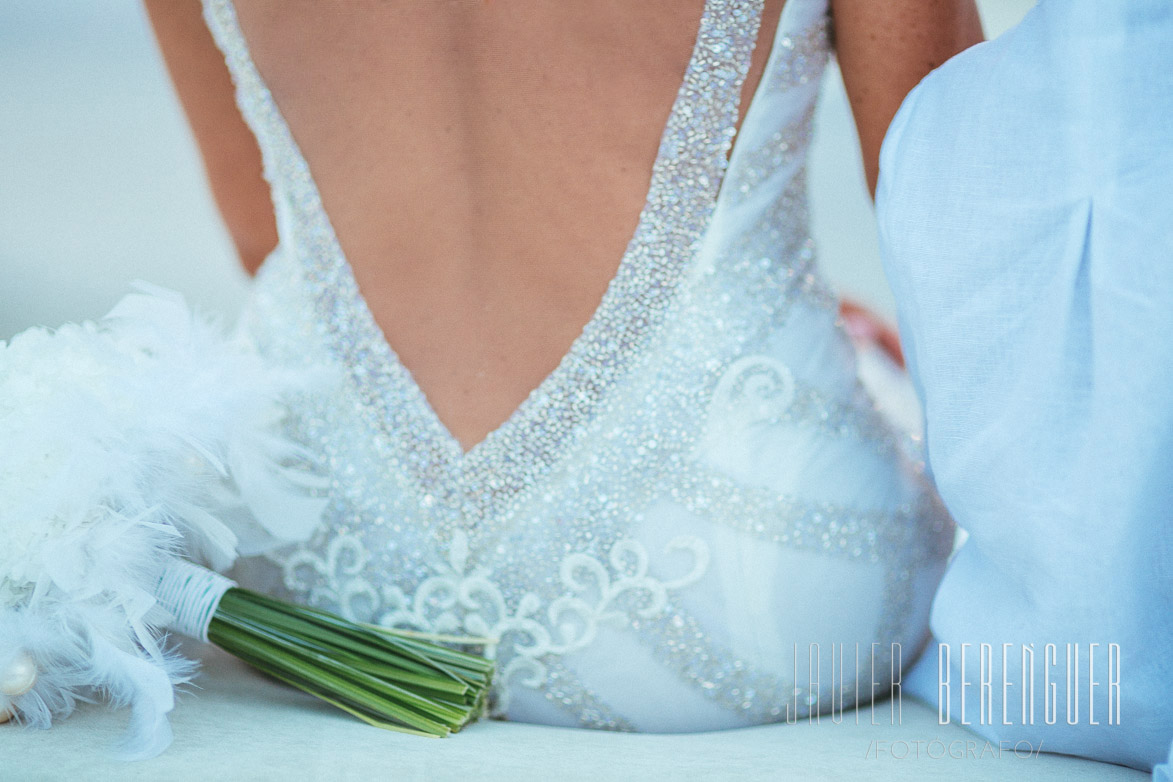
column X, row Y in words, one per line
column 146, row 436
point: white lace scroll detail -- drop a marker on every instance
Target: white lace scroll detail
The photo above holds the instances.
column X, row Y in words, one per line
column 462, row 598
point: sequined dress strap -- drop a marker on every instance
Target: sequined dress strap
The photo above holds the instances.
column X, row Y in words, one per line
column 686, row 179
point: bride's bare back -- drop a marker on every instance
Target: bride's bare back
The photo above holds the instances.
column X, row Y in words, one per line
column 484, row 163
column 484, row 166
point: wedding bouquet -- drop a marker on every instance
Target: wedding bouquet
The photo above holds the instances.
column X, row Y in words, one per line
column 130, row 449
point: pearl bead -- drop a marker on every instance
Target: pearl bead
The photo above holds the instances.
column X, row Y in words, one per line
column 19, row 677
column 5, row 709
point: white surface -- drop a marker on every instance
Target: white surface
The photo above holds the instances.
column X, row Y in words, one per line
column 100, row 182
column 241, row 726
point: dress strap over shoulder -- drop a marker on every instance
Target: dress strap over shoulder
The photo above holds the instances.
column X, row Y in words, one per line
column 686, row 179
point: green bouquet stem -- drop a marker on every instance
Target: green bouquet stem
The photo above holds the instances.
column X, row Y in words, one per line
column 393, row 679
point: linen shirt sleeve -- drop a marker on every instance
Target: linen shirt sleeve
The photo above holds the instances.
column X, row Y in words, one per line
column 1026, row 216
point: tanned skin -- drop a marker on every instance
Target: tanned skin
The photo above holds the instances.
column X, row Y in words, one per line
column 484, row 162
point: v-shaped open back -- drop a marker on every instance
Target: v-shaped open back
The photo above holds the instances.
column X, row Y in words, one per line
column 685, row 182
column 699, row 488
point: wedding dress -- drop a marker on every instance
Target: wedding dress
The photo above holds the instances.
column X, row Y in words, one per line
column 698, row 493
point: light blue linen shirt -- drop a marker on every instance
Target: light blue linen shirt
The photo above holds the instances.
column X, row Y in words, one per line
column 1026, row 215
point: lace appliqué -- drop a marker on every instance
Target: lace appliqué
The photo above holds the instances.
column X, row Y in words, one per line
column 531, row 541
column 527, row 637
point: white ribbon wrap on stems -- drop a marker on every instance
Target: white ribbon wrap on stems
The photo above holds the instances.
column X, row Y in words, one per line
column 191, row 594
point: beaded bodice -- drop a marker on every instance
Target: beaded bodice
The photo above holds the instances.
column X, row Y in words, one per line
column 700, row 490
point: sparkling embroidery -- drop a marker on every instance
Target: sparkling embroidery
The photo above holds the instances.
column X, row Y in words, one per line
column 686, row 175
column 540, row 539
column 757, row 390
column 792, row 63
column 826, row 528
column 464, row 599
column 682, row 644
column 565, row 690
